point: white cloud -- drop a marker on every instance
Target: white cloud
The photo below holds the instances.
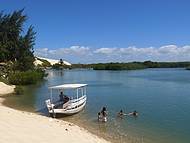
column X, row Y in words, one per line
column 42, row 51
column 169, row 49
column 78, row 50
column 106, row 51
column 76, row 54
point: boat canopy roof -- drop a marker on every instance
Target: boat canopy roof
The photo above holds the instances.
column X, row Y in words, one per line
column 68, row 86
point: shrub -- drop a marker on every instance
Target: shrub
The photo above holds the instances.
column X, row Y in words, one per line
column 58, row 66
column 24, row 78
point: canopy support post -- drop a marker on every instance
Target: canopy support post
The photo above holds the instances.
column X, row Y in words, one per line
column 77, row 95
column 51, row 95
column 84, row 90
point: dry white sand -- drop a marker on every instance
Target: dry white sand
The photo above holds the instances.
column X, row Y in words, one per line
column 6, row 89
column 24, row 127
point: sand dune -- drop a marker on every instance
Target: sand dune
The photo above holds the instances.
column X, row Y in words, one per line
column 37, row 62
column 53, row 61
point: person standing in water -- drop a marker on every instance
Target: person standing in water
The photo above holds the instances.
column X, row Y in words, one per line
column 104, row 111
column 99, row 116
column 104, row 114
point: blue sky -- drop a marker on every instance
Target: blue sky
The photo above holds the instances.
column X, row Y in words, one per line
column 108, row 30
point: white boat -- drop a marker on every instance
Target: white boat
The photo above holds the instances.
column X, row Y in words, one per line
column 70, row 105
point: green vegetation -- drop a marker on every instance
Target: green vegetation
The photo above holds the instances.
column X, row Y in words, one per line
column 15, row 46
column 150, row 64
column 132, row 65
column 16, row 50
column 45, row 63
column 2, row 79
column 60, row 65
column 118, row 66
column 81, row 66
column 24, row 78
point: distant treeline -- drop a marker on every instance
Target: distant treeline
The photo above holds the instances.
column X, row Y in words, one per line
column 132, row 65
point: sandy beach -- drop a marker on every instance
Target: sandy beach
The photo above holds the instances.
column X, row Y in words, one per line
column 6, row 89
column 21, row 127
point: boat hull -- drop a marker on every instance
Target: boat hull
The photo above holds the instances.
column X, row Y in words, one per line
column 72, row 108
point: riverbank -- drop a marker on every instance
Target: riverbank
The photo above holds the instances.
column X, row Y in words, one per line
column 18, row 126
column 6, row 89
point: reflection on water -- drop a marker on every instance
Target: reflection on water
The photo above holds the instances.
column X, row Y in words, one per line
column 161, row 96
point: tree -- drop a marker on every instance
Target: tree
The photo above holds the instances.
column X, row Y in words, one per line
column 24, row 54
column 14, row 45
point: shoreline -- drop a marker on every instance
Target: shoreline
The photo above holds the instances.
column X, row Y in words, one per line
column 6, row 89
column 21, row 126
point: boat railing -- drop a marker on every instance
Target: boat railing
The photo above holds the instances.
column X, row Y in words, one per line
column 77, row 100
column 71, row 104
column 65, row 105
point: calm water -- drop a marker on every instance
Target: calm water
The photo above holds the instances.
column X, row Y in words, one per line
column 161, row 96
